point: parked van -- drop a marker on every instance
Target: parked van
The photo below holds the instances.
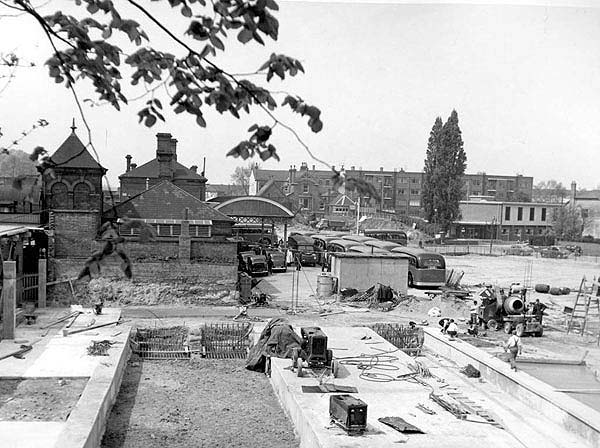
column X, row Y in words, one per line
column 424, row 268
column 304, row 248
column 255, row 233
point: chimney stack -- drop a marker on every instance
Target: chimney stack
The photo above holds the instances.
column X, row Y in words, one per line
column 133, row 166
column 165, row 154
column 128, row 158
column 573, row 194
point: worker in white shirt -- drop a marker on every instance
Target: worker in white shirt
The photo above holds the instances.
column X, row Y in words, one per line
column 514, row 347
column 474, row 311
column 452, row 329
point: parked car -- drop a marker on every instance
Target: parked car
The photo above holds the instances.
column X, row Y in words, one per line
column 519, row 249
column 256, row 265
column 554, row 252
column 243, row 259
column 575, row 249
column 276, row 259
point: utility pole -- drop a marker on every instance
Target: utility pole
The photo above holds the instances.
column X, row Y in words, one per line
column 358, row 213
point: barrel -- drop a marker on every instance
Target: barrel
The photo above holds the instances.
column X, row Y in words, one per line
column 325, row 284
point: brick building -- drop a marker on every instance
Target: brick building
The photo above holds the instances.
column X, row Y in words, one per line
column 400, row 191
column 165, row 207
column 164, row 166
column 510, row 221
column 72, row 199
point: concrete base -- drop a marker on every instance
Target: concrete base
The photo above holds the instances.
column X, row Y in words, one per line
column 561, row 411
column 310, row 412
column 55, row 355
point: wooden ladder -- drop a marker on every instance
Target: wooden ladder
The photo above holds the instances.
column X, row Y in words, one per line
column 587, row 306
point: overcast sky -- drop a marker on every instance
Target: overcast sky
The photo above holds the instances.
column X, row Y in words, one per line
column 525, row 81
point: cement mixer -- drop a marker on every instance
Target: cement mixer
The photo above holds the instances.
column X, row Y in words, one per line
column 508, row 312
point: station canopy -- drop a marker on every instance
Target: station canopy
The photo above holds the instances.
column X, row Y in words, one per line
column 253, row 209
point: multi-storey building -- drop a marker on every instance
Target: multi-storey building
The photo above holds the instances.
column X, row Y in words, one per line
column 400, row 191
column 510, row 221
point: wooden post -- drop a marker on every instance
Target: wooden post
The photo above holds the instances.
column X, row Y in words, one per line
column 42, row 280
column 9, row 300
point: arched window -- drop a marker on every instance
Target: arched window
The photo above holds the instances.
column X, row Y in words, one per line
column 60, row 197
column 81, row 197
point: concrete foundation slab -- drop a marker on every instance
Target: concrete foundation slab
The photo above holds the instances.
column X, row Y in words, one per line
column 310, row 412
column 561, row 412
column 55, row 355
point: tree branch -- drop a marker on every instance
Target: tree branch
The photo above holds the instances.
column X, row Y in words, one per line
column 229, row 75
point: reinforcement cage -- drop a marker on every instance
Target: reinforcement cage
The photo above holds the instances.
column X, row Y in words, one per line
column 162, row 343
column 409, row 340
column 224, row 340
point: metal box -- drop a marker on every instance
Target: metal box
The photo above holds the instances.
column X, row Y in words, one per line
column 348, row 412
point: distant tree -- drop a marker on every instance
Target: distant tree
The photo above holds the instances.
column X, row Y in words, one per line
column 445, row 166
column 241, row 177
column 519, row 196
column 567, row 223
column 16, row 163
column 549, row 191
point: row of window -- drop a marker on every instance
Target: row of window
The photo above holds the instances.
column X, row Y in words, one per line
column 507, row 212
column 169, row 230
column 60, row 196
column 518, row 232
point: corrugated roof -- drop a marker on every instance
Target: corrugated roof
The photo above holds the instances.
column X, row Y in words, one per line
column 151, row 169
column 73, row 154
column 165, row 201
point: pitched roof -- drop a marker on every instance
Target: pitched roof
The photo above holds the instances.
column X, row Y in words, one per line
column 270, row 185
column 73, row 154
column 277, row 175
column 165, row 200
column 343, row 201
column 592, row 194
column 226, row 189
column 151, row 169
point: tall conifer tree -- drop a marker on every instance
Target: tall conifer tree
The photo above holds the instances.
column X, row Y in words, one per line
column 443, row 173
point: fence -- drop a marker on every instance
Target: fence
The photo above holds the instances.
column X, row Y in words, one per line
column 27, row 288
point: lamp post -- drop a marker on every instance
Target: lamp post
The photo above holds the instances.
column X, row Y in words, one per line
column 492, row 233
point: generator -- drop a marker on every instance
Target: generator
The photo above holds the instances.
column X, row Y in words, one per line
column 314, row 352
column 348, row 413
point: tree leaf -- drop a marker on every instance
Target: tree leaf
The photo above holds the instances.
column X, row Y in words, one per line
column 245, row 36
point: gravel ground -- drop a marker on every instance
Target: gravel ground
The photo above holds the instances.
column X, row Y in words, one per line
column 196, row 403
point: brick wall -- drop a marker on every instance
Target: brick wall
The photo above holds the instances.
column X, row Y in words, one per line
column 215, row 252
column 74, row 232
column 153, row 283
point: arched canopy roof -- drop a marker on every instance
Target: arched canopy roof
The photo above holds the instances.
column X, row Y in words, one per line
column 255, row 207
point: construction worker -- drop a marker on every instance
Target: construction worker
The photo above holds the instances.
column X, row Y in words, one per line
column 513, row 346
column 452, row 329
column 474, row 311
column 538, row 310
